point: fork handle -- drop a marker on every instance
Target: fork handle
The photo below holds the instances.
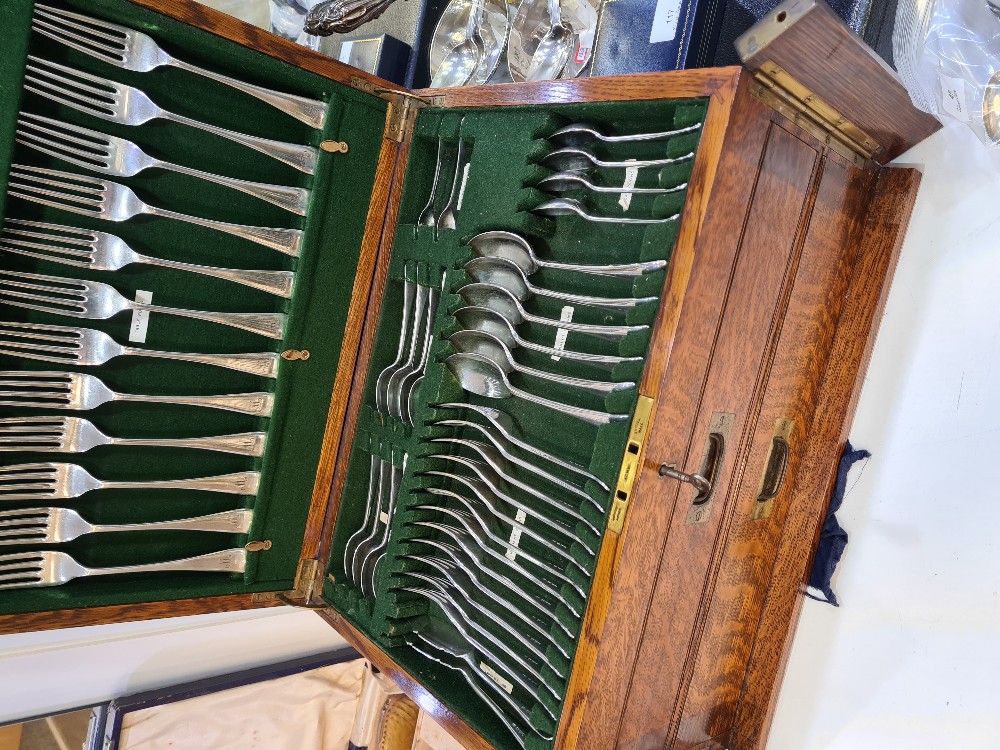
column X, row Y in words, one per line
column 264, row 364
column 289, row 198
column 241, row 483
column 271, row 325
column 229, row 522
column 309, row 111
column 287, row 241
column 258, row 404
column 273, row 282
column 226, row 561
column 303, row 158
column 243, row 444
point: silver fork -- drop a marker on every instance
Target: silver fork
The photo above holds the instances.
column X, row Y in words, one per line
column 101, row 251
column 133, row 50
column 67, row 345
column 98, row 152
column 103, row 199
column 50, row 568
column 76, row 435
column 58, row 481
column 60, row 525
column 78, row 298
column 81, row 392
column 128, row 105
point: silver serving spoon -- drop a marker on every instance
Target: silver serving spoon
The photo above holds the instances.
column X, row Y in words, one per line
column 552, row 52
column 506, row 275
column 502, row 301
column 427, row 218
column 564, row 182
column 483, row 319
column 461, row 62
column 517, row 250
column 577, row 158
column 483, row 377
column 488, row 345
column 569, row 207
column 584, row 132
column 447, row 218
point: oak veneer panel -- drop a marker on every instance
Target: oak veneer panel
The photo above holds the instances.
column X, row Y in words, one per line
column 880, row 242
column 799, row 358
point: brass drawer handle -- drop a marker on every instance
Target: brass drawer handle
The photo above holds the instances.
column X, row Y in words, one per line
column 775, row 469
column 706, row 478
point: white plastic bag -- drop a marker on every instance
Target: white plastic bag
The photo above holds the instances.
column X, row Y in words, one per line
column 947, row 52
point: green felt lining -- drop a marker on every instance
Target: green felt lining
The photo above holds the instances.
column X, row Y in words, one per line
column 506, row 146
column 334, row 226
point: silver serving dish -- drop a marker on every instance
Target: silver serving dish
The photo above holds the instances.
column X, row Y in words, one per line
column 532, row 24
column 450, row 32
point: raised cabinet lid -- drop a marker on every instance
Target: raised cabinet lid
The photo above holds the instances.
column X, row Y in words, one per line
column 837, row 75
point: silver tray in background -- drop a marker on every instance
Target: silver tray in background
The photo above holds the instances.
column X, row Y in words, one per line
column 531, row 24
column 450, row 32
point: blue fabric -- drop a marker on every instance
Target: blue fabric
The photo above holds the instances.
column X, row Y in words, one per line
column 833, row 539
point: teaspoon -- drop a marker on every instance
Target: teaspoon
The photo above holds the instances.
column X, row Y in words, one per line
column 570, row 207
column 479, row 342
column 483, row 319
column 564, row 182
column 583, row 132
column 484, row 377
column 516, row 249
column 576, row 159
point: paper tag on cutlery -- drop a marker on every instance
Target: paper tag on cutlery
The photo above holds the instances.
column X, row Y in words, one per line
column 631, row 175
column 497, row 677
column 461, row 190
column 565, row 316
column 140, row 318
column 384, row 518
column 515, row 535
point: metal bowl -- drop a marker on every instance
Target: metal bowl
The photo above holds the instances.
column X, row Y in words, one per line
column 532, row 24
column 450, row 32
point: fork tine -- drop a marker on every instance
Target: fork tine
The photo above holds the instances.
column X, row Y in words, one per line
column 92, row 202
column 104, row 29
column 88, row 159
column 85, row 81
column 84, row 237
column 55, row 257
column 79, row 42
column 73, row 133
column 67, row 335
column 92, row 212
column 92, row 185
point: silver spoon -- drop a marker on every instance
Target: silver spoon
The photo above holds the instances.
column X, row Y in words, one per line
column 552, row 52
column 564, row 182
column 577, row 158
column 570, row 207
column 447, row 218
column 516, row 249
column 479, row 342
column 483, row 377
column 583, row 132
column 483, row 319
column 505, row 274
column 426, row 218
column 504, row 302
column 461, row 62
column 504, row 425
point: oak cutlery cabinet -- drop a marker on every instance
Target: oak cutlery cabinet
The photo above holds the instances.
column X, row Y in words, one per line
column 674, row 631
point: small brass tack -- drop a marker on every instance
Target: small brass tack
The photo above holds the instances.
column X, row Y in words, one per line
column 258, row 546
column 334, row 147
column 295, row 354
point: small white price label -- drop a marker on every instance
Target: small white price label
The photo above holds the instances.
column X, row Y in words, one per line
column 140, row 318
column 565, row 316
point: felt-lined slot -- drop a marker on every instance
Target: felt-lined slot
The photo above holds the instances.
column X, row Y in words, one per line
column 508, row 145
column 317, row 310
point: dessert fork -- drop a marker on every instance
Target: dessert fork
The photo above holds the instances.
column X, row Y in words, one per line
column 128, row 105
column 60, row 525
column 103, row 199
column 133, row 50
column 81, row 392
column 101, row 251
column 76, row 435
column 66, row 345
column 93, row 150
column 50, row 568
column 57, row 481
column 78, row 298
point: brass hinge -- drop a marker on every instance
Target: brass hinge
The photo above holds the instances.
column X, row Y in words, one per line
column 308, row 586
column 637, row 436
column 403, row 106
column 782, row 93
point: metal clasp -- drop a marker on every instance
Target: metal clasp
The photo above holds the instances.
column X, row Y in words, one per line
column 700, row 483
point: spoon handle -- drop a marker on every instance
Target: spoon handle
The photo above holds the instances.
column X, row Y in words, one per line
column 635, row 137
column 581, row 299
column 608, row 360
column 623, row 269
column 587, row 415
column 595, row 386
column 609, row 332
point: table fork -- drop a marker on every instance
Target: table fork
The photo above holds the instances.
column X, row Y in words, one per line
column 61, row 525
column 66, row 345
column 133, row 50
column 91, row 149
column 81, row 392
column 76, row 435
column 78, row 298
column 50, row 568
column 128, row 105
column 58, row 481
column 103, row 199
column 101, row 251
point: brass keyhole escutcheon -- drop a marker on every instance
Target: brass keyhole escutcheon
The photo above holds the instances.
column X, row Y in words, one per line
column 334, row 147
column 258, row 546
column 295, row 354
